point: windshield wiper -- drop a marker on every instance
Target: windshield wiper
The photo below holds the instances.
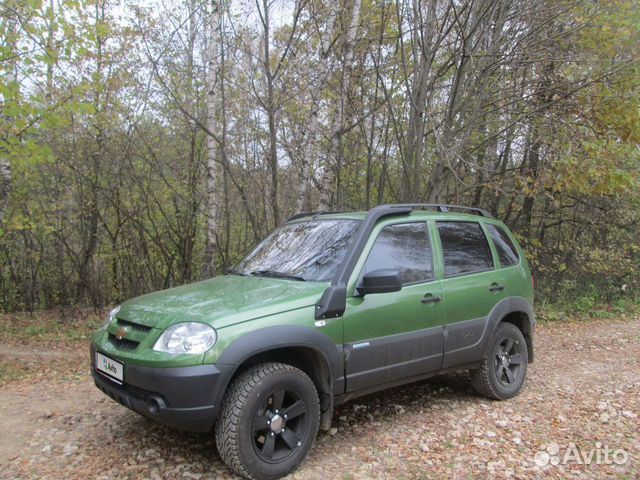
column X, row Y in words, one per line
column 236, row 272
column 274, row 274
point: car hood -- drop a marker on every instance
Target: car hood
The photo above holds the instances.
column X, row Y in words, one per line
column 221, row 301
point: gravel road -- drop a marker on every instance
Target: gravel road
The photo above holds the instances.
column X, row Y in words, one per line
column 582, row 398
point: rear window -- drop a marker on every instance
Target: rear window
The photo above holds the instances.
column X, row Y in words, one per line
column 464, row 247
column 507, row 252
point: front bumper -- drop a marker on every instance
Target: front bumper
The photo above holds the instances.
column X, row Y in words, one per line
column 186, row 398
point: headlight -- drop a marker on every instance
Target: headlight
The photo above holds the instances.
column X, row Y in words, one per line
column 186, row 338
column 112, row 316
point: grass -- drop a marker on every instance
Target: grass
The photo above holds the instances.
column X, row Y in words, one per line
column 51, row 327
column 64, row 334
column 587, row 308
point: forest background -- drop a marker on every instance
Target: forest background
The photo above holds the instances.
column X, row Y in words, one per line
column 149, row 144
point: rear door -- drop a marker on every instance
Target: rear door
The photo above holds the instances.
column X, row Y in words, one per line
column 517, row 280
column 392, row 336
column 471, row 287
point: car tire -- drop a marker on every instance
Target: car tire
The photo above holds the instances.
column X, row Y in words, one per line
column 503, row 370
column 269, row 421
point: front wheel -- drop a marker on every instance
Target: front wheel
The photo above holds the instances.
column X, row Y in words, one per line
column 269, row 420
column 504, row 365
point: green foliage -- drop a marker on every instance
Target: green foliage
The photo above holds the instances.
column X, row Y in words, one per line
column 587, row 307
column 109, row 191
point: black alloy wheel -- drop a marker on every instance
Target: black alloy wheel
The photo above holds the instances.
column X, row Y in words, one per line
column 508, row 361
column 279, row 424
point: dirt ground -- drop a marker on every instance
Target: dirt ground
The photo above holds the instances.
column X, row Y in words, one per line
column 581, row 403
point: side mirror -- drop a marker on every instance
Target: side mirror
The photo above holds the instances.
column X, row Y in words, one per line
column 384, row 280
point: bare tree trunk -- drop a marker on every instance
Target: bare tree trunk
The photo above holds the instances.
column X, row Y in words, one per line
column 5, row 186
column 424, row 35
column 337, row 123
column 481, row 34
column 271, row 108
column 308, row 154
column 223, row 153
column 313, row 120
column 91, row 212
column 531, row 164
column 215, row 39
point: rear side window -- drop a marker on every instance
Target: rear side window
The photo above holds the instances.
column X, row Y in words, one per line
column 465, row 248
column 404, row 247
column 507, row 252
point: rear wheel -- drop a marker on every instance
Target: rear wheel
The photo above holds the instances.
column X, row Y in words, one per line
column 503, row 370
column 269, row 420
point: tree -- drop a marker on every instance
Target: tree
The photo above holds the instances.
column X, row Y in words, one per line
column 149, row 145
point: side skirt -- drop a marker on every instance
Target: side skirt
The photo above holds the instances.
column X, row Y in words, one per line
column 338, row 399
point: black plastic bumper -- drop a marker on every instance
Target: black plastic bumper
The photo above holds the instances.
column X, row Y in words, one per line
column 186, row 398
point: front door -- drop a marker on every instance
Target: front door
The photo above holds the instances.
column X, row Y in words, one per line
column 392, row 336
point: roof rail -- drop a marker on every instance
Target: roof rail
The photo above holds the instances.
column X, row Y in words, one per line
column 313, row 214
column 442, row 207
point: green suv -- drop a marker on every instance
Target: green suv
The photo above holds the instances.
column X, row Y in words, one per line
column 328, row 307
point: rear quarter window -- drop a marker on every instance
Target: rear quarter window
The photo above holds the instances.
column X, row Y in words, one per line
column 507, row 252
column 465, row 248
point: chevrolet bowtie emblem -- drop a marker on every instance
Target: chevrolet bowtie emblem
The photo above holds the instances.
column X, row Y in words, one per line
column 122, row 332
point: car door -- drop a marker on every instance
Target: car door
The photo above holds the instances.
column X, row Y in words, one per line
column 471, row 287
column 516, row 279
column 392, row 336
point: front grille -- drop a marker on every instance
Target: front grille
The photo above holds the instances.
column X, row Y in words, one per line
column 134, row 326
column 123, row 344
column 127, row 343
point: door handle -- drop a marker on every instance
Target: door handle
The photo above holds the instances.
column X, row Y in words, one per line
column 496, row 288
column 429, row 298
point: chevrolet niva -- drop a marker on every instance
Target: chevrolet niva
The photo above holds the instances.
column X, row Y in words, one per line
column 328, row 307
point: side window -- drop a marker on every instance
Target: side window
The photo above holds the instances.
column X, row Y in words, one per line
column 464, row 247
column 405, row 247
column 507, row 252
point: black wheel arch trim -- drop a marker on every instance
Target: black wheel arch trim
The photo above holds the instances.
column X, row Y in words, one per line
column 506, row 307
column 283, row 336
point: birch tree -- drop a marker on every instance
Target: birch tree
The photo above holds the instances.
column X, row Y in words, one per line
column 338, row 116
column 214, row 97
column 9, row 70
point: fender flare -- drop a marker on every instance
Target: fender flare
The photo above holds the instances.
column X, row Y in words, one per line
column 282, row 336
column 504, row 308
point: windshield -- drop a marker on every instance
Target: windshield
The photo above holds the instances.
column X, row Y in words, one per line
column 301, row 251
